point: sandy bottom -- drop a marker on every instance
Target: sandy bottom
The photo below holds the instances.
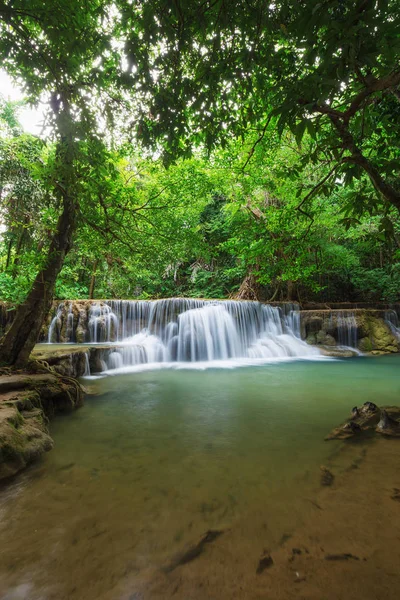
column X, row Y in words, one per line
column 117, row 510
column 347, row 546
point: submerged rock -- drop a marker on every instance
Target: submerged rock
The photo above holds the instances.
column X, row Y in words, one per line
column 194, row 551
column 369, row 417
column 388, row 425
column 362, row 419
column 327, row 477
column 265, row 562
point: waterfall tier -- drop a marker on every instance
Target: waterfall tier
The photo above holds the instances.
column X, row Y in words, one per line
column 183, row 330
column 392, row 319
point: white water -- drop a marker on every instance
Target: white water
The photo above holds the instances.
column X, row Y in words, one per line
column 392, row 319
column 189, row 332
column 55, row 325
column 347, row 330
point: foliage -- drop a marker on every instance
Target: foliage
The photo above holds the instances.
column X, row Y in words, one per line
column 331, row 69
column 279, row 123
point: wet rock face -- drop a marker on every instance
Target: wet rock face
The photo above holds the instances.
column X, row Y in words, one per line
column 361, row 329
column 71, row 362
column 67, row 322
column 27, row 401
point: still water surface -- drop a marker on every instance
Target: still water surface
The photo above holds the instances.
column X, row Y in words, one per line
column 159, row 457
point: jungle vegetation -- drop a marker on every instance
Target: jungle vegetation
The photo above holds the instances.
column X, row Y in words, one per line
column 207, row 148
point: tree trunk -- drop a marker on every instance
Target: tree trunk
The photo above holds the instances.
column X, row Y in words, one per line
column 18, row 250
column 93, row 280
column 19, row 340
column 289, row 295
column 8, row 261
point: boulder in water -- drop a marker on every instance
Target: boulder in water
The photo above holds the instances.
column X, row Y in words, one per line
column 362, row 419
column 388, row 425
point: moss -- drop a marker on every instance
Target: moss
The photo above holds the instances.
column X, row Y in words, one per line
column 365, row 345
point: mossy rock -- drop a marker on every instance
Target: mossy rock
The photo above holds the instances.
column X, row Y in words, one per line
column 311, row 339
column 365, row 345
column 22, row 439
column 325, row 339
column 380, row 336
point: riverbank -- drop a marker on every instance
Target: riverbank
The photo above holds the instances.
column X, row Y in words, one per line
column 28, row 400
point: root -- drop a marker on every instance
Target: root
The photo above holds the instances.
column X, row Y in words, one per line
column 248, row 289
column 43, row 365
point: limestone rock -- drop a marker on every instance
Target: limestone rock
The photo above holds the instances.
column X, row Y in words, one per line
column 23, row 439
column 27, row 400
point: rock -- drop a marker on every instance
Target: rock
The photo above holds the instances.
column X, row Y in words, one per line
column 337, row 352
column 70, row 361
column 362, row 419
column 23, row 439
column 27, row 400
column 325, row 339
column 396, row 494
column 344, row 556
column 365, row 344
column 327, row 477
column 193, row 551
column 265, row 562
column 322, row 327
column 388, row 425
column 381, row 336
column 311, row 339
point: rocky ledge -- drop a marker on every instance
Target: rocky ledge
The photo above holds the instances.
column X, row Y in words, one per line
column 27, row 402
column 366, row 330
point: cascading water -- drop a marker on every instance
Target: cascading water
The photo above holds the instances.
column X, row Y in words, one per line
column 55, row 325
column 86, row 372
column 347, row 331
column 181, row 330
column 70, row 324
column 102, row 324
column 392, row 319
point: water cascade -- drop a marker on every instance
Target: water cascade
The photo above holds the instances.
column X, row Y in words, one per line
column 181, row 330
column 55, row 325
column 70, row 324
column 347, row 331
column 86, row 372
column 392, row 319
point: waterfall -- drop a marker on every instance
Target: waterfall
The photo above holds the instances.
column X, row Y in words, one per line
column 392, row 319
column 203, row 331
column 347, row 330
column 69, row 333
column 55, row 325
column 184, row 330
column 87, row 365
column 103, row 323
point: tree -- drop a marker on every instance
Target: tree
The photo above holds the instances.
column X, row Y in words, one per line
column 53, row 50
column 219, row 68
column 190, row 73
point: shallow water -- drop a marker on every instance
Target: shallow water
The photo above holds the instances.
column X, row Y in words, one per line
column 160, row 457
